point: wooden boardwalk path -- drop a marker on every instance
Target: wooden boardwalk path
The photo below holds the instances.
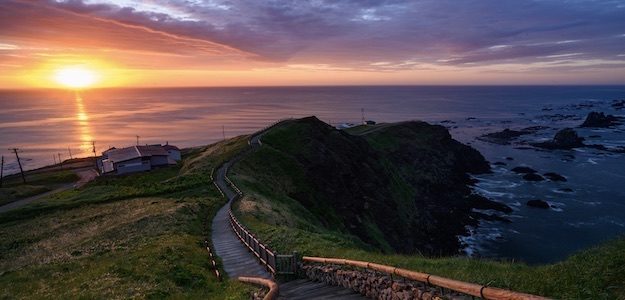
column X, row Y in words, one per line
column 238, row 261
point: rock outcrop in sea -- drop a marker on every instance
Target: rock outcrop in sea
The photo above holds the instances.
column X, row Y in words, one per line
column 537, row 203
column 599, row 119
column 564, row 139
column 506, row 136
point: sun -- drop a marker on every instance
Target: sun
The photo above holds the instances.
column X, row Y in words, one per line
column 75, row 77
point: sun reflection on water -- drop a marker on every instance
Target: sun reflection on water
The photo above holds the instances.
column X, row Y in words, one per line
column 83, row 125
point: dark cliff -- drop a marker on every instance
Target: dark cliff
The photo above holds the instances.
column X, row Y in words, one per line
column 398, row 187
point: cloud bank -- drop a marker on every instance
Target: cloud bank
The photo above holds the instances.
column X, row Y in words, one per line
column 367, row 35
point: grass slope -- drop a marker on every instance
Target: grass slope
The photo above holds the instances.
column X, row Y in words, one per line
column 13, row 189
column 133, row 236
column 270, row 175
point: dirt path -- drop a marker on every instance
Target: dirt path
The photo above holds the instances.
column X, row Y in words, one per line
column 85, row 174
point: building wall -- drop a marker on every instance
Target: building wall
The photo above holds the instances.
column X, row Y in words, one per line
column 174, row 154
column 158, row 160
column 133, row 165
column 107, row 166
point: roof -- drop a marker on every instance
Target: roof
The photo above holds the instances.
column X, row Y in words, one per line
column 124, row 154
column 108, row 150
column 170, row 147
column 151, row 150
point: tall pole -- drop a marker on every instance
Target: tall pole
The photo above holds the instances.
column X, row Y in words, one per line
column 362, row 111
column 70, row 152
column 97, row 169
column 1, row 170
column 60, row 161
column 223, row 131
column 137, row 140
column 54, row 157
column 19, row 163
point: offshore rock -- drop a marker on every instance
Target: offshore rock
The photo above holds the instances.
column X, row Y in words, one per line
column 537, row 203
column 564, row 139
column 599, row 119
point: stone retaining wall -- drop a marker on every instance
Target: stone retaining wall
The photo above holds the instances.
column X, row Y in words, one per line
column 376, row 285
column 260, row 294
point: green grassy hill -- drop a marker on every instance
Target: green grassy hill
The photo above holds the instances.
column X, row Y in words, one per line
column 359, row 194
column 141, row 235
column 134, row 236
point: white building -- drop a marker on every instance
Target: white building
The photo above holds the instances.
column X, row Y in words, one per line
column 173, row 151
column 137, row 158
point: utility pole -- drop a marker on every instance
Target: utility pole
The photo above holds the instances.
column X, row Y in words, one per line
column 19, row 163
column 362, row 111
column 70, row 152
column 54, row 157
column 60, row 161
column 1, row 170
column 223, row 131
column 97, row 168
column 137, row 140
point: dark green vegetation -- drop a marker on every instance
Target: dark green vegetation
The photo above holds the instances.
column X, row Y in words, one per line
column 369, row 195
column 13, row 189
column 43, row 180
column 400, row 188
column 134, row 236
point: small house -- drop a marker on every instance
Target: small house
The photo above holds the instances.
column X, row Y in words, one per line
column 138, row 158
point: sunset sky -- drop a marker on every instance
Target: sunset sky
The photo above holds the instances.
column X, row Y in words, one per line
column 314, row 42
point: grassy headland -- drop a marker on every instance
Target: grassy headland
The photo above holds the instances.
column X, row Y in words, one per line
column 134, row 236
column 293, row 202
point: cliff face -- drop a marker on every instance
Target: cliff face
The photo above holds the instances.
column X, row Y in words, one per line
column 399, row 187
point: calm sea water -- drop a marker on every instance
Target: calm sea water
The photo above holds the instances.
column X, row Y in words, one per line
column 45, row 123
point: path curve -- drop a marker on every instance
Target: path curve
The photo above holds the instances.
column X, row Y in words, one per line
column 238, row 261
column 85, row 175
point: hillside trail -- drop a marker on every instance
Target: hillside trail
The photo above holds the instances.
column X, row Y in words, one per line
column 85, row 175
column 238, row 261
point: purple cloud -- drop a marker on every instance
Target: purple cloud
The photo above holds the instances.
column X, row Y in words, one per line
column 348, row 32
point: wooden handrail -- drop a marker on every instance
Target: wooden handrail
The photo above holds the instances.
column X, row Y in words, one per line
column 274, row 291
column 250, row 241
column 484, row 292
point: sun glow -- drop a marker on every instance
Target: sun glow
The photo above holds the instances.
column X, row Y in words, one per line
column 75, row 77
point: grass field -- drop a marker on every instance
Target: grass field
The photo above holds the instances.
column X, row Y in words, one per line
column 269, row 177
column 13, row 189
column 134, row 236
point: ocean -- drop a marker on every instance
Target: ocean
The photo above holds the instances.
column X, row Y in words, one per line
column 44, row 124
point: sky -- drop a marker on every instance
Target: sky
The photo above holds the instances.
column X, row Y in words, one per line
column 156, row 43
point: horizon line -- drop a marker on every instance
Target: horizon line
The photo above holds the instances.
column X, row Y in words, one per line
column 316, row 86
